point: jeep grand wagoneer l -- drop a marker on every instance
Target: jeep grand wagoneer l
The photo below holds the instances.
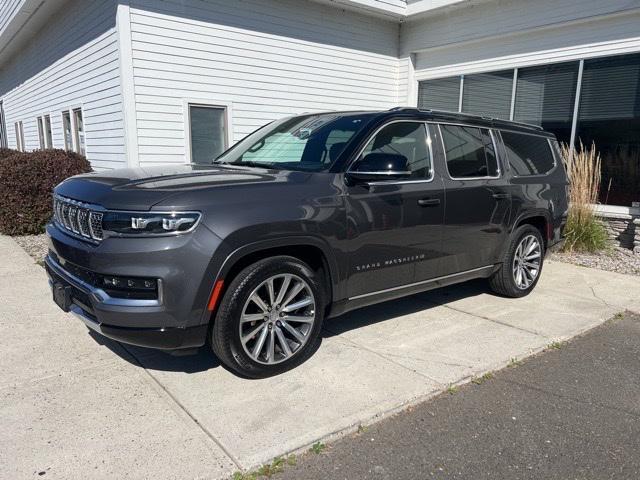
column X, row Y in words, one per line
column 307, row 218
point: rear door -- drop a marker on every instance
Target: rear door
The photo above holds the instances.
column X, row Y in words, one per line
column 477, row 198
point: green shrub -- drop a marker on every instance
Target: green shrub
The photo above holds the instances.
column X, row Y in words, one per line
column 583, row 232
column 26, row 183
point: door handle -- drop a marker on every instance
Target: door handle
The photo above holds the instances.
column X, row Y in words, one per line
column 501, row 195
column 429, row 202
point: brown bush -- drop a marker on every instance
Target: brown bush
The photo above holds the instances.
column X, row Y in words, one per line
column 7, row 152
column 26, row 184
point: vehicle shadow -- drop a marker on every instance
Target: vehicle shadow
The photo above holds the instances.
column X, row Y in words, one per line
column 404, row 306
column 151, row 359
column 204, row 359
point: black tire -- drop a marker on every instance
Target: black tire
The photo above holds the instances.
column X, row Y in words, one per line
column 225, row 334
column 503, row 282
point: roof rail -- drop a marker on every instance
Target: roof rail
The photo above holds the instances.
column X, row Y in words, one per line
column 482, row 117
column 401, row 109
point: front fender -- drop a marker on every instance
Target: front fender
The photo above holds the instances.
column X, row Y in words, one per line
column 226, row 257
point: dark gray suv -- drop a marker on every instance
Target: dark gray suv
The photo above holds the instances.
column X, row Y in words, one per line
column 306, row 218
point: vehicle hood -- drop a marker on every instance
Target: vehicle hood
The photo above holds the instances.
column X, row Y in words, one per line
column 142, row 188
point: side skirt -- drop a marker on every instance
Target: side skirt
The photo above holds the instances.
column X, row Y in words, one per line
column 393, row 293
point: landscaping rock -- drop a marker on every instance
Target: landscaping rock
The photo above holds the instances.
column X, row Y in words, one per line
column 617, row 259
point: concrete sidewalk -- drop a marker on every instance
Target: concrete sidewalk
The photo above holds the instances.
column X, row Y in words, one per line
column 74, row 405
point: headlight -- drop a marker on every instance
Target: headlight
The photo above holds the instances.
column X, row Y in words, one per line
column 150, row 223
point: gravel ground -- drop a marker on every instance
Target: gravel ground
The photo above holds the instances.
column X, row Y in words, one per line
column 620, row 260
column 34, row 245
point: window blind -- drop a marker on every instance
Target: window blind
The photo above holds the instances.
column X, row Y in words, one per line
column 611, row 88
column 440, row 94
column 488, row 94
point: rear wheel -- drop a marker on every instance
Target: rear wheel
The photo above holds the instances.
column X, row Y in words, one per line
column 522, row 264
column 270, row 318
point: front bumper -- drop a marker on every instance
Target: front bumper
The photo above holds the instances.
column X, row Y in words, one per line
column 182, row 265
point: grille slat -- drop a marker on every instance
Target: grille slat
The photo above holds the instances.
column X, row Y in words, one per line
column 83, row 222
column 77, row 218
column 95, row 225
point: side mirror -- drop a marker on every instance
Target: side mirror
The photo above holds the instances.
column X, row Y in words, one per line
column 379, row 167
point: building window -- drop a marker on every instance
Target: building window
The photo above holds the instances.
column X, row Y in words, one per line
column 78, row 132
column 488, row 94
column 3, row 129
column 48, row 137
column 66, row 127
column 546, row 96
column 44, row 132
column 609, row 116
column 41, row 133
column 207, row 132
column 19, row 136
column 440, row 94
column 608, row 110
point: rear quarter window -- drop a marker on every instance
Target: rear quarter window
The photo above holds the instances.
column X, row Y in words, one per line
column 528, row 154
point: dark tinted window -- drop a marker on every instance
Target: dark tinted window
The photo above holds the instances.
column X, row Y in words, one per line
column 528, row 154
column 469, row 152
column 408, row 139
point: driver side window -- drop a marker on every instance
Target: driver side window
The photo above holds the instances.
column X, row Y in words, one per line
column 408, row 139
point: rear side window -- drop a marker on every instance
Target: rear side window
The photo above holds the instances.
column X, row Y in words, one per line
column 469, row 152
column 528, row 154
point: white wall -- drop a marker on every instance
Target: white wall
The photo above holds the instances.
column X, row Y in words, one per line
column 72, row 62
column 508, row 33
column 8, row 9
column 266, row 58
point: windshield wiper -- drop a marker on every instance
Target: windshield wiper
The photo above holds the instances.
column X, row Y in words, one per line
column 252, row 164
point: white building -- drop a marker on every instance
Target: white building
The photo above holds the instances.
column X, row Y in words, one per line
column 141, row 82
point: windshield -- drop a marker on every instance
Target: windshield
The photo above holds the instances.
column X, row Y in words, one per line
column 307, row 142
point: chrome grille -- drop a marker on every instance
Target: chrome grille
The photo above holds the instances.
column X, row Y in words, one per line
column 83, row 222
column 95, row 225
column 78, row 218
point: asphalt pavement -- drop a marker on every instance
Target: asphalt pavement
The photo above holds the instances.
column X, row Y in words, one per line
column 571, row 412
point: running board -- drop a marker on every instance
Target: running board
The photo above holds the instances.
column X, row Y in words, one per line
column 446, row 279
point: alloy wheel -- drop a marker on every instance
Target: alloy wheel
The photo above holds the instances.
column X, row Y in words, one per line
column 526, row 262
column 277, row 319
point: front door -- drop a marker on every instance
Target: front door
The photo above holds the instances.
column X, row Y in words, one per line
column 395, row 226
column 477, row 199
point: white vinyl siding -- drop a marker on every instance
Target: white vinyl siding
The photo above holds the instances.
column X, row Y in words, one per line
column 8, row 9
column 514, row 33
column 72, row 61
column 266, row 59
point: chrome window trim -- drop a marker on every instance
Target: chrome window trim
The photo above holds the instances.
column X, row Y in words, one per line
column 100, row 295
column 399, row 182
column 444, row 151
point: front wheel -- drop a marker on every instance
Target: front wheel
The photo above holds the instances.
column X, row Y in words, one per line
column 270, row 318
column 522, row 264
